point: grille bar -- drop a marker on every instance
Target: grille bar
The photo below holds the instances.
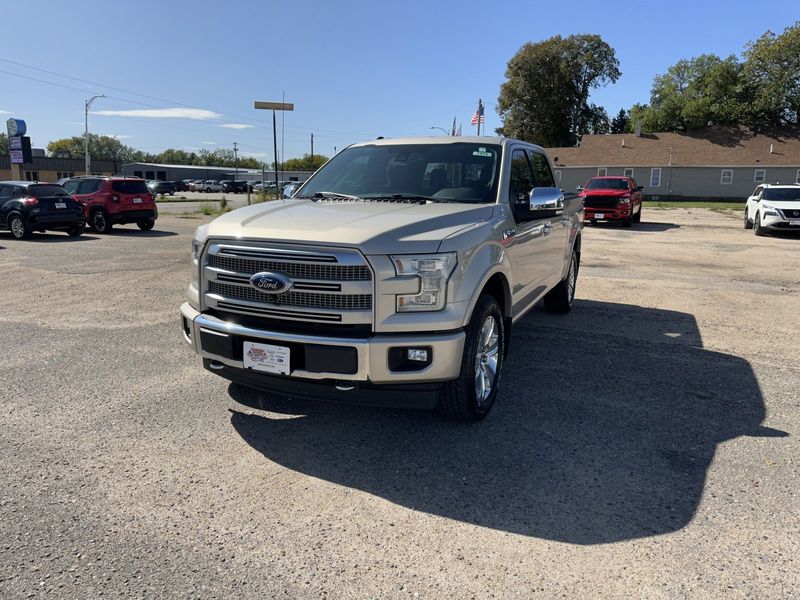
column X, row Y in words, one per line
column 300, row 299
column 323, row 272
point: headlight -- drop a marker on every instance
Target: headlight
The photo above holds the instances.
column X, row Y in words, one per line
column 770, row 210
column 434, row 271
column 624, row 199
column 197, row 249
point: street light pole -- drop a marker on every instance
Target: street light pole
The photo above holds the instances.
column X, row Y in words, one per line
column 441, row 128
column 273, row 106
column 87, row 106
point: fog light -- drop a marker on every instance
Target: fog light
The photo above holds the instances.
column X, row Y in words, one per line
column 418, row 354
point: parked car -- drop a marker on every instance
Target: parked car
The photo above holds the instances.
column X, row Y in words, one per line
column 612, row 199
column 26, row 206
column 195, row 185
column 393, row 277
column 209, row 185
column 773, row 207
column 109, row 201
column 182, row 185
column 233, row 187
column 162, row 187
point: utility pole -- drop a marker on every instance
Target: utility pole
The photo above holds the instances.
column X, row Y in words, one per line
column 87, row 106
column 273, row 106
column 312, row 153
column 236, row 161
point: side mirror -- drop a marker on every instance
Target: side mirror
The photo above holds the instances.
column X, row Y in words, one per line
column 289, row 190
column 546, row 202
column 640, row 188
column 579, row 188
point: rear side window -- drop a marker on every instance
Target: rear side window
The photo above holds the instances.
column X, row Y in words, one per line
column 88, row 186
column 46, row 190
column 71, row 186
column 541, row 169
column 129, row 187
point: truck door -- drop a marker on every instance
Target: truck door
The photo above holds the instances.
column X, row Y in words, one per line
column 528, row 251
column 558, row 238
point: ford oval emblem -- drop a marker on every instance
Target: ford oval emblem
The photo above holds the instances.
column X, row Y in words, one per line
column 271, row 283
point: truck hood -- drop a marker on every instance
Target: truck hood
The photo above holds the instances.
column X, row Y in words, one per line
column 373, row 227
column 607, row 193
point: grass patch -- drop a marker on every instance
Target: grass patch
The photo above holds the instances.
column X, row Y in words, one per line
column 163, row 198
column 718, row 206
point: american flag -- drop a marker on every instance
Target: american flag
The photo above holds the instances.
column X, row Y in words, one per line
column 478, row 116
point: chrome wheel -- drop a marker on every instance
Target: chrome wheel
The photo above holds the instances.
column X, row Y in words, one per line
column 17, row 228
column 486, row 359
column 99, row 221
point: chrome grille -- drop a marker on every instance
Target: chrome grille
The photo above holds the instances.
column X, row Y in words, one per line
column 325, row 272
column 303, row 299
column 329, row 285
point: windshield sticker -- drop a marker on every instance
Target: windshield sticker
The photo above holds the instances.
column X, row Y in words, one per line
column 481, row 152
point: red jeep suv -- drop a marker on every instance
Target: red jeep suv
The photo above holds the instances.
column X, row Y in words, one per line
column 612, row 199
column 109, row 201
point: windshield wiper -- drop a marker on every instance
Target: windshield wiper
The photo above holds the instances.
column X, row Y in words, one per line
column 406, row 198
column 331, row 196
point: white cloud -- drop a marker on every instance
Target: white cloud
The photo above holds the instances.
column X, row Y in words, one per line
column 121, row 136
column 209, row 143
column 4, row 112
column 236, row 126
column 197, row 114
column 257, row 154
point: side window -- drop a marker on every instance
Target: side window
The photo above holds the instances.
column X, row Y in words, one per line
column 522, row 181
column 88, row 186
column 71, row 186
column 655, row 177
column 6, row 192
column 760, row 175
column 726, row 176
column 541, row 168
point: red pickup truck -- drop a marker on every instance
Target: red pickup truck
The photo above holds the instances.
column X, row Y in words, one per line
column 612, row 199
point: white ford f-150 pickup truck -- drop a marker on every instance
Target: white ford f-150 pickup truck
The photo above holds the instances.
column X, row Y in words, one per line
column 393, row 276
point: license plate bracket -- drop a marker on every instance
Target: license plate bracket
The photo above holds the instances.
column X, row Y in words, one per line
column 794, row 222
column 266, row 357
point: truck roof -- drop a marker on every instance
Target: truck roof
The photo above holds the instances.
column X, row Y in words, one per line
column 443, row 139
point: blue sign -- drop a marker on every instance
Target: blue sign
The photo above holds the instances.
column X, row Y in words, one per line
column 16, row 127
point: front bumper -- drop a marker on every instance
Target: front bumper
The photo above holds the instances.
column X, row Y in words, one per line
column 362, row 361
column 607, row 214
column 778, row 223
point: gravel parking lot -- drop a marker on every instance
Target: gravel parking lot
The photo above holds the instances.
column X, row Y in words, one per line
column 643, row 446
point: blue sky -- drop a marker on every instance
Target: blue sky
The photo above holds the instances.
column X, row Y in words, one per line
column 353, row 69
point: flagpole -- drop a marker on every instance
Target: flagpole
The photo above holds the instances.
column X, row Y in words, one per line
column 479, row 117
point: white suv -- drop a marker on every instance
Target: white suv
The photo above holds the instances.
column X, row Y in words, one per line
column 773, row 207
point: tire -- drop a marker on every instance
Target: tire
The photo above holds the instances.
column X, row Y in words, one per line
column 146, row 225
column 638, row 217
column 559, row 300
column 627, row 221
column 18, row 226
column 748, row 224
column 75, row 230
column 172, row 193
column 100, row 222
column 465, row 399
column 757, row 228
column 208, row 190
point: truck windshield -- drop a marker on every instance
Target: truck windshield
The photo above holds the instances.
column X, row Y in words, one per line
column 782, row 194
column 452, row 172
column 607, row 184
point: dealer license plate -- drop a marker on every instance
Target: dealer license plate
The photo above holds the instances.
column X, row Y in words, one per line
column 266, row 357
column 599, row 216
column 794, row 222
column 137, row 200
column 61, row 205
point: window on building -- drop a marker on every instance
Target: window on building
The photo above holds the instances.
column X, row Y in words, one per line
column 601, row 171
column 31, row 175
column 558, row 175
column 726, row 176
column 64, row 174
column 137, row 174
column 628, row 172
column 655, row 177
column 760, row 175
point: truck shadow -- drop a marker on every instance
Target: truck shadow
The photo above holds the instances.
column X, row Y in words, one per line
column 643, row 227
column 607, row 422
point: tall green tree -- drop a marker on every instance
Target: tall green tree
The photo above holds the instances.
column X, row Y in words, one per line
column 304, row 163
column 100, row 146
column 3, row 144
column 771, row 76
column 619, row 124
column 545, row 98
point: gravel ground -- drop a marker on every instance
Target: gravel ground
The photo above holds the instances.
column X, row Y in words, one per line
column 643, row 446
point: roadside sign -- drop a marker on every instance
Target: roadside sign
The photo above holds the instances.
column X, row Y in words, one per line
column 15, row 143
column 16, row 157
column 275, row 105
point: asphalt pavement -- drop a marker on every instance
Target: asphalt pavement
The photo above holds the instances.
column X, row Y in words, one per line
column 645, row 445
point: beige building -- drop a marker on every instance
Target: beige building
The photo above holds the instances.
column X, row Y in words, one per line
column 716, row 163
column 45, row 168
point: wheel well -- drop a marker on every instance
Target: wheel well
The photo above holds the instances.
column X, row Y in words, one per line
column 498, row 288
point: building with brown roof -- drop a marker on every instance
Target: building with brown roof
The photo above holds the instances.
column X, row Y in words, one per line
column 718, row 163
